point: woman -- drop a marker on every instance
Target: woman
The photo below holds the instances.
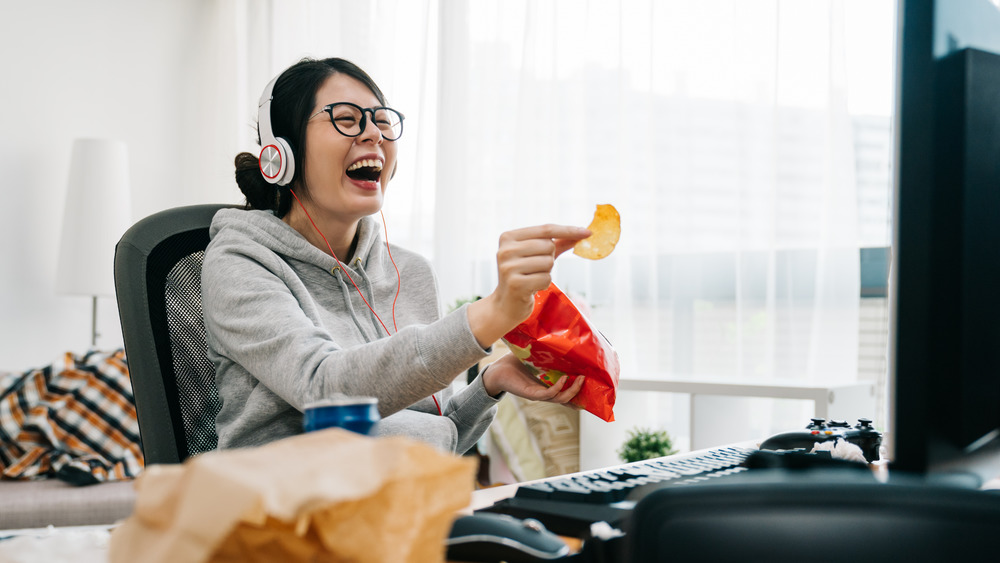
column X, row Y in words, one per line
column 304, row 300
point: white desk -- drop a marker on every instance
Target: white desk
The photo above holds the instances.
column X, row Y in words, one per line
column 828, row 399
column 708, row 424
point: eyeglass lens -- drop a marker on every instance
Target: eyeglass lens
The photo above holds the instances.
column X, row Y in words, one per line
column 349, row 120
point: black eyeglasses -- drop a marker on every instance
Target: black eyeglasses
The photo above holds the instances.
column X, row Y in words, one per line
column 350, row 119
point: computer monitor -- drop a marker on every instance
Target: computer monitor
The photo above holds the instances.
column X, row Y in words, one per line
column 945, row 306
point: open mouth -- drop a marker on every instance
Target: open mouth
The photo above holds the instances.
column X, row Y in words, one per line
column 367, row 170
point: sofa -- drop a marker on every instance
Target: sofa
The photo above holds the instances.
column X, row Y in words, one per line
column 51, row 502
column 69, row 443
column 70, row 448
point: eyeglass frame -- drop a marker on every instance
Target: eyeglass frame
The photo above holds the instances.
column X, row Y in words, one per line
column 364, row 118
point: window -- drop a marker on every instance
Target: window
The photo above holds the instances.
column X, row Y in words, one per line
column 746, row 145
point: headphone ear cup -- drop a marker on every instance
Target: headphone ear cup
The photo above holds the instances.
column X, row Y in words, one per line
column 289, row 172
column 277, row 162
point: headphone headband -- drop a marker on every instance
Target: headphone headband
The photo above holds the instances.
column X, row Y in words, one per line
column 277, row 163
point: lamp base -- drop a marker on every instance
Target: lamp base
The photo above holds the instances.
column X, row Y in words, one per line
column 93, row 322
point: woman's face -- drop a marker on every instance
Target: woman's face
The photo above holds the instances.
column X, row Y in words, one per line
column 346, row 176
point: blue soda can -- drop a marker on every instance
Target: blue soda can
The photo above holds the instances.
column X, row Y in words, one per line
column 357, row 414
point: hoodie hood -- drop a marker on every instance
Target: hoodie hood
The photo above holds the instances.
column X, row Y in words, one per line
column 264, row 228
column 369, row 277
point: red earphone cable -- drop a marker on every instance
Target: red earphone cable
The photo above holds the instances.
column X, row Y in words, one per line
column 399, row 281
column 338, row 261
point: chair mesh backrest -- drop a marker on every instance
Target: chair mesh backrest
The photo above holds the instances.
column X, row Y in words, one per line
column 194, row 374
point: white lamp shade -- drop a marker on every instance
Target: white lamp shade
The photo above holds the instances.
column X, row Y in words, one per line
column 98, row 212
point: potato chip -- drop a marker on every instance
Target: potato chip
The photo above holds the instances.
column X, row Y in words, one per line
column 605, row 230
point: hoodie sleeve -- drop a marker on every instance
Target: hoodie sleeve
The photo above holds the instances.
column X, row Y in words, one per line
column 263, row 331
column 472, row 410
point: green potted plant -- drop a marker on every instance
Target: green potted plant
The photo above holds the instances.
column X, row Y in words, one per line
column 643, row 443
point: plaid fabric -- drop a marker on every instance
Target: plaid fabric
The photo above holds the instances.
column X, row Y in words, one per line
column 74, row 420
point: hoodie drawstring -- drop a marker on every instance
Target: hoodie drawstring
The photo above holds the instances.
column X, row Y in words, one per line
column 350, row 306
column 371, row 294
column 332, row 253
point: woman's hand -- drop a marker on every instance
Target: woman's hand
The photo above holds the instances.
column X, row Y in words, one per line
column 524, row 266
column 510, row 375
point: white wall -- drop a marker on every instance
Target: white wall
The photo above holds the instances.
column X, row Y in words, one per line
column 154, row 74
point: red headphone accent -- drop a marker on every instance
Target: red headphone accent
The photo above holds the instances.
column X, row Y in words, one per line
column 270, row 162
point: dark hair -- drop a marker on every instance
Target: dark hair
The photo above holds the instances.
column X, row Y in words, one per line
column 292, row 102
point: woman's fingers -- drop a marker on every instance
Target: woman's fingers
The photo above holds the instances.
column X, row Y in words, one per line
column 549, row 232
column 567, row 394
column 525, row 259
column 511, row 375
column 513, row 248
column 562, row 393
column 526, row 265
column 562, row 245
column 526, row 256
column 545, row 240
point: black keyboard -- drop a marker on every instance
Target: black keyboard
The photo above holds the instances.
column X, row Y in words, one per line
column 568, row 505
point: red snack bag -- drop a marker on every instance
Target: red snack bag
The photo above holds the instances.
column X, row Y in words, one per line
column 558, row 340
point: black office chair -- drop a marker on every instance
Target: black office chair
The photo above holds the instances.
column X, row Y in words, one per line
column 158, row 285
column 828, row 515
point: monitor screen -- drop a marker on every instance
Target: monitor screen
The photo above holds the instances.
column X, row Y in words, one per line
column 945, row 332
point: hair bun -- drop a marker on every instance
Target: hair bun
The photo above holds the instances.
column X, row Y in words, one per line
column 259, row 193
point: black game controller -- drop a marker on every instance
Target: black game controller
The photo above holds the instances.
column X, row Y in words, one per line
column 819, row 430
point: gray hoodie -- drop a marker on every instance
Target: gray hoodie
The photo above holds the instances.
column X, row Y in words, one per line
column 286, row 327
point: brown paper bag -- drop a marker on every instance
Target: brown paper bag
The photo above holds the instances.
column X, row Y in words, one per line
column 330, row 495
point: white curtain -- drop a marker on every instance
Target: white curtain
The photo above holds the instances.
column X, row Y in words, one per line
column 719, row 129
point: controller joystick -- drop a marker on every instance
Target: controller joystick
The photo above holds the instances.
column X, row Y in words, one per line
column 863, row 435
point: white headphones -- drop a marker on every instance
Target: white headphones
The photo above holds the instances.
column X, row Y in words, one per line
column 277, row 163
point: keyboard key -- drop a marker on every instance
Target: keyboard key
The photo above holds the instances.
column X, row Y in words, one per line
column 534, row 490
column 614, row 484
column 568, row 505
